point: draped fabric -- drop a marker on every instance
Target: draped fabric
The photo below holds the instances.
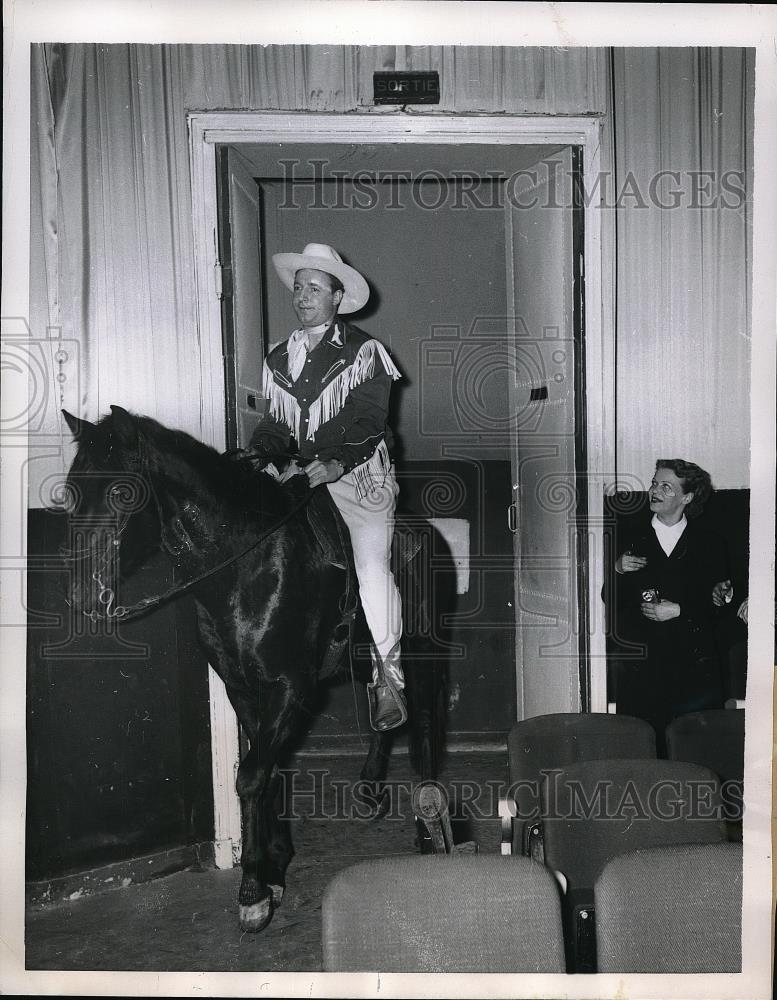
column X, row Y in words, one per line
column 112, row 268
column 683, row 124
column 117, row 230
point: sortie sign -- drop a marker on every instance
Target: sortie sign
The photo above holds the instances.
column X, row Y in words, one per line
column 415, row 87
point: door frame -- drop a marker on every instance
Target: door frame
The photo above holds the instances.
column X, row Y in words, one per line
column 207, row 129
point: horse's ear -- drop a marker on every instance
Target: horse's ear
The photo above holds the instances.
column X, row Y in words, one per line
column 80, row 429
column 124, row 427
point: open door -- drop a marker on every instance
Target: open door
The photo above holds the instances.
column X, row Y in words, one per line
column 547, row 437
column 240, row 277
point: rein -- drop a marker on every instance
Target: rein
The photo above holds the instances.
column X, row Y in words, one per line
column 107, row 596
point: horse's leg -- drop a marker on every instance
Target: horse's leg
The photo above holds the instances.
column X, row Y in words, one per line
column 251, row 894
column 374, row 770
column 278, row 727
column 253, row 898
column 425, row 700
column 246, row 706
column 279, row 849
column 266, row 853
column 426, row 715
column 424, row 697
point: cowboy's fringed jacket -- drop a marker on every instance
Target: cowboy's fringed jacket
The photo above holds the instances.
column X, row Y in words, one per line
column 337, row 408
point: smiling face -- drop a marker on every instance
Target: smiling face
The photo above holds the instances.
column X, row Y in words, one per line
column 313, row 299
column 667, row 498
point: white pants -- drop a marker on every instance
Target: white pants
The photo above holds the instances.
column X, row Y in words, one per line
column 370, row 524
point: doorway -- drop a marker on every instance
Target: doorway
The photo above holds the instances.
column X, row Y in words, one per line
column 495, row 148
column 429, row 226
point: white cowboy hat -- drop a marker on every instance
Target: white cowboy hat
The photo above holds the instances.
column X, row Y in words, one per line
column 321, row 257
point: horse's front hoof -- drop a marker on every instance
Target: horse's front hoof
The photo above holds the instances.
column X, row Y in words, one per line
column 277, row 893
column 256, row 917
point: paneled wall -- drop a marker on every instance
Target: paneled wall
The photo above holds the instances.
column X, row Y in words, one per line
column 118, row 740
column 112, row 262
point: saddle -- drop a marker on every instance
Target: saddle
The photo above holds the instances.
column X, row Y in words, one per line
column 331, row 534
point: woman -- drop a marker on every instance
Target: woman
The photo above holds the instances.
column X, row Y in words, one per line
column 665, row 575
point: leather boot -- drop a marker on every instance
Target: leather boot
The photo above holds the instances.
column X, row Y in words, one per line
column 385, row 697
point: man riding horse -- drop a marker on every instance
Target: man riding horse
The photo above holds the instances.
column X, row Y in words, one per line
column 328, row 388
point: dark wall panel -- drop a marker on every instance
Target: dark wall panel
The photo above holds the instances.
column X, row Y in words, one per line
column 476, row 645
column 118, row 730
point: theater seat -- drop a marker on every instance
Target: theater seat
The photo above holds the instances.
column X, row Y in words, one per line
column 546, row 742
column 443, row 913
column 596, row 810
column 671, row 909
column 714, row 738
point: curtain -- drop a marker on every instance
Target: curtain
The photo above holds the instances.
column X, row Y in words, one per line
column 683, row 145
column 112, row 261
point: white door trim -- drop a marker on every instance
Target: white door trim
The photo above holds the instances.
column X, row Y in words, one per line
column 207, row 129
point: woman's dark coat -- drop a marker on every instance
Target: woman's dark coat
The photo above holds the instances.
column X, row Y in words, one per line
column 667, row 668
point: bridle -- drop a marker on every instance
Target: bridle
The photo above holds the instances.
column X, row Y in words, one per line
column 107, row 596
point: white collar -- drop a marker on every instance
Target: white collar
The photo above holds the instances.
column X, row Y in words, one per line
column 311, row 331
column 668, row 534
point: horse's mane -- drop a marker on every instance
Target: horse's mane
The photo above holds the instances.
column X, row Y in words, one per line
column 231, row 478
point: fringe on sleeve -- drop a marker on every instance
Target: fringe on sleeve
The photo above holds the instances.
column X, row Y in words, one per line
column 283, row 406
column 371, row 475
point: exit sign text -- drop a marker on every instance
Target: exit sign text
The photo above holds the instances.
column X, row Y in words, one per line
column 406, row 88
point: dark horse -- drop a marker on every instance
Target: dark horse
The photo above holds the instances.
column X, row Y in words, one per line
column 268, row 598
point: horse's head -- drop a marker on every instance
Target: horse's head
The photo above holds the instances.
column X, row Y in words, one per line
column 113, row 524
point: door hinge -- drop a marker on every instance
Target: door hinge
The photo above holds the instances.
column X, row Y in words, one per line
column 218, row 278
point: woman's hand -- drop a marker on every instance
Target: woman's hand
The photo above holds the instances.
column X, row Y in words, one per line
column 722, row 593
column 661, row 611
column 629, row 563
column 319, row 472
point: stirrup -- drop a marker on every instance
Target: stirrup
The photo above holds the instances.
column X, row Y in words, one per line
column 387, row 705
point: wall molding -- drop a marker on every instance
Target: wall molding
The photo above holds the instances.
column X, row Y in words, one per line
column 119, row 875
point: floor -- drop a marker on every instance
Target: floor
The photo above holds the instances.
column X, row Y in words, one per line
column 188, row 921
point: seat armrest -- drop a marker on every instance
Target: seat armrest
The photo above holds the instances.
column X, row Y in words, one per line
column 534, row 841
column 584, row 917
column 507, row 814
